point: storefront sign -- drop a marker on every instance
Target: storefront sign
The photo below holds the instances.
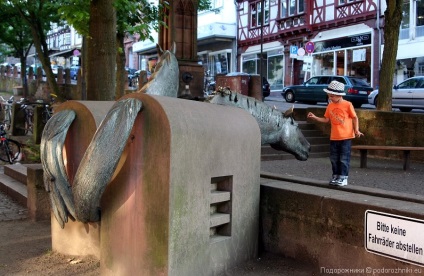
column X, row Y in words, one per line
column 343, row 42
column 395, row 237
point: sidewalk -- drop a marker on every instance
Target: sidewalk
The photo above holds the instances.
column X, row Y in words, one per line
column 382, row 174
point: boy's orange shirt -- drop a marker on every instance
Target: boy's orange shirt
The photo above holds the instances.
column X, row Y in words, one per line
column 341, row 115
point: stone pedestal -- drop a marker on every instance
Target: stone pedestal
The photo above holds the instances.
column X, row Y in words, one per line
column 186, row 200
column 79, row 238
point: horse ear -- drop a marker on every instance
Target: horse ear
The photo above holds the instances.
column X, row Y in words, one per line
column 289, row 112
column 159, row 49
column 173, row 48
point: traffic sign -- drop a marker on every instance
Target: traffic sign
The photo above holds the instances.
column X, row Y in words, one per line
column 301, row 52
column 309, row 47
column 293, row 51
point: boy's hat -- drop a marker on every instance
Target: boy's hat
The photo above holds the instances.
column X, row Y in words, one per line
column 335, row 88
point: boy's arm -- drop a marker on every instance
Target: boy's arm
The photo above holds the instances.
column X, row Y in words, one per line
column 356, row 127
column 318, row 119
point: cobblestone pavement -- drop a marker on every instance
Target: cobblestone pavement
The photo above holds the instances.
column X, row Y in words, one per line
column 11, row 210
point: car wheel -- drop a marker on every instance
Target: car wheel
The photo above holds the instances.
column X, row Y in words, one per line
column 289, row 97
column 405, row 109
column 357, row 105
column 375, row 101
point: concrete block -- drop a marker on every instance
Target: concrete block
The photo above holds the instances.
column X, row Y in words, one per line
column 160, row 215
column 38, row 201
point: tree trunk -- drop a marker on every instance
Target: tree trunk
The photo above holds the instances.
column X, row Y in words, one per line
column 121, row 74
column 41, row 48
column 393, row 18
column 24, row 79
column 101, row 43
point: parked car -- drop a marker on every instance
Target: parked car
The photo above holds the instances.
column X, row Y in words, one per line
column 406, row 96
column 35, row 68
column 312, row 91
column 73, row 71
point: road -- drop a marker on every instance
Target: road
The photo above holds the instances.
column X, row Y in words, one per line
column 281, row 104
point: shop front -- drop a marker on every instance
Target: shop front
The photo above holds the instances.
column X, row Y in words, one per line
column 348, row 55
column 409, row 60
column 272, row 63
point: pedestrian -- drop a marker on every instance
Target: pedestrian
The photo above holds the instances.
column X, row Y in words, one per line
column 344, row 127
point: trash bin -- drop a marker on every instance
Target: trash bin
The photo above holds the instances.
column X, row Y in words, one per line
column 237, row 82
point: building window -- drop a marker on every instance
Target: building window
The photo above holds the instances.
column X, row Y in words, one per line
column 249, row 63
column 420, row 18
column 256, row 13
column 275, row 66
column 412, row 19
column 283, row 8
column 292, row 7
column 343, row 2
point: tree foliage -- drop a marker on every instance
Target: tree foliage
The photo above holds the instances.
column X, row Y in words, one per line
column 97, row 21
column 393, row 18
column 15, row 34
column 38, row 16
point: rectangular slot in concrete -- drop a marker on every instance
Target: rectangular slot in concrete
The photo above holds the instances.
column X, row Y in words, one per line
column 220, row 208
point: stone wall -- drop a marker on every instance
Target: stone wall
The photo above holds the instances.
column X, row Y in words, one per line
column 324, row 227
column 381, row 128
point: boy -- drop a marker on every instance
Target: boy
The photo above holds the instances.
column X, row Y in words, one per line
column 344, row 127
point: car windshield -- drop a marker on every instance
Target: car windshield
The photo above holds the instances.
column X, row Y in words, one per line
column 358, row 82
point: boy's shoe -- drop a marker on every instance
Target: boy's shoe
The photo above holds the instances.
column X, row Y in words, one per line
column 341, row 182
column 334, row 179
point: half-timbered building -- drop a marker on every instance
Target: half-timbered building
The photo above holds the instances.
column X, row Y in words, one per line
column 289, row 41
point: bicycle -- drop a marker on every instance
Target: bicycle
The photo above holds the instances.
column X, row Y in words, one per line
column 29, row 115
column 6, row 105
column 10, row 150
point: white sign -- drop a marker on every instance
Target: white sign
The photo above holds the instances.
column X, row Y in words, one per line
column 306, row 67
column 359, row 55
column 307, row 59
column 395, row 237
column 301, row 52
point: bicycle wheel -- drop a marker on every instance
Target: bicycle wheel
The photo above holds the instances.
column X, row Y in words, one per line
column 46, row 115
column 10, row 151
column 7, row 118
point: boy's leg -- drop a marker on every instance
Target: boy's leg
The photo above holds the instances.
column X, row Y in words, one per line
column 345, row 152
column 335, row 161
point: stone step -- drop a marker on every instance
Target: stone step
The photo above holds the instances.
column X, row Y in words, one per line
column 286, row 156
column 315, row 148
column 17, row 172
column 318, row 140
column 313, row 133
column 14, row 189
column 303, row 125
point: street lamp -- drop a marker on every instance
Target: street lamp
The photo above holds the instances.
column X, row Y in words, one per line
column 262, row 43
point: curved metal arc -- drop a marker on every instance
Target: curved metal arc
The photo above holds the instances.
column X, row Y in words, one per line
column 56, row 180
column 101, row 158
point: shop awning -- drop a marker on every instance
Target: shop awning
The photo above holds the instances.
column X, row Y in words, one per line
column 63, row 53
column 266, row 47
